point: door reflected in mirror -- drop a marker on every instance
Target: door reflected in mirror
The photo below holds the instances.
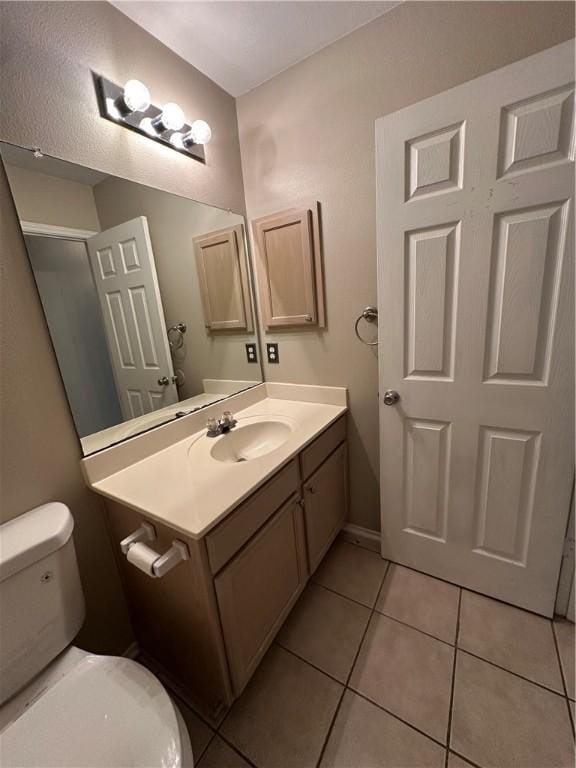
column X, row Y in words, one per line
column 147, row 295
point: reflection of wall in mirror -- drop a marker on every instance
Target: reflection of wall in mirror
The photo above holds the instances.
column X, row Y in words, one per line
column 64, row 280
column 46, row 199
column 174, row 222
column 73, row 316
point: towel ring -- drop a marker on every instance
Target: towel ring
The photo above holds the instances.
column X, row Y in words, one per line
column 180, row 330
column 370, row 314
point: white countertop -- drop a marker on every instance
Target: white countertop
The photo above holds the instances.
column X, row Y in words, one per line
column 185, row 488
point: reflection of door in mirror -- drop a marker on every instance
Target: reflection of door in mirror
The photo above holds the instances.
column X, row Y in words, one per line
column 115, row 267
column 123, row 268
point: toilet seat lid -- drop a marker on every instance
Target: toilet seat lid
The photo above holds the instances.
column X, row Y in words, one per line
column 106, row 711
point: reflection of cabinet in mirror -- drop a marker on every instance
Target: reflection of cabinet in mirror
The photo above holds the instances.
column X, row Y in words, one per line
column 223, row 278
column 113, row 263
column 289, row 267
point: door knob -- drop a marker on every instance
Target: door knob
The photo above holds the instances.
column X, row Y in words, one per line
column 391, row 397
column 164, row 381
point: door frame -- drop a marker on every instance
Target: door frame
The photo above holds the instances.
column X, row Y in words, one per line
column 53, row 230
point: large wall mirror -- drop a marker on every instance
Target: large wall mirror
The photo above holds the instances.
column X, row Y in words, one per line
column 147, row 295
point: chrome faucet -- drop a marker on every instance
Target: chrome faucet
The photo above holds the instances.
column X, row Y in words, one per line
column 220, row 426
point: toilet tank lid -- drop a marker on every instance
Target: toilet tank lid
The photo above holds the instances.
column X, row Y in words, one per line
column 32, row 536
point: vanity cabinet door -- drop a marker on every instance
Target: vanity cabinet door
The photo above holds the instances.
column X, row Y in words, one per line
column 257, row 589
column 325, row 504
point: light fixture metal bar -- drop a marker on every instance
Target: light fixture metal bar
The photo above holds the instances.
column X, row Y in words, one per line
column 110, row 105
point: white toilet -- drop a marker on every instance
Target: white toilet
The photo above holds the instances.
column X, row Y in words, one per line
column 61, row 706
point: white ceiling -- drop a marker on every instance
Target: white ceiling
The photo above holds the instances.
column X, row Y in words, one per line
column 241, row 44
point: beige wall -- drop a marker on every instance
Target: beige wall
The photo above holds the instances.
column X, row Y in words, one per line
column 309, row 133
column 39, row 450
column 46, row 199
column 47, row 97
column 174, row 222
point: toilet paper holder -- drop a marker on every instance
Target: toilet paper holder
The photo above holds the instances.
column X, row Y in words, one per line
column 162, row 563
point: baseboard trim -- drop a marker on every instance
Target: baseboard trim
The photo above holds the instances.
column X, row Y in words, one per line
column 363, row 537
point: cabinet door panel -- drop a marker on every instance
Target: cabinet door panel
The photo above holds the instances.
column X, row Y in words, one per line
column 326, row 504
column 223, row 280
column 258, row 588
column 289, row 268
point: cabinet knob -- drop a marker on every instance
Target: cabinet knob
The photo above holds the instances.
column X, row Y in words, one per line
column 308, row 318
column 310, row 489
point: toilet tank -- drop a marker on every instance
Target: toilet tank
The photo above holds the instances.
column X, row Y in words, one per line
column 41, row 600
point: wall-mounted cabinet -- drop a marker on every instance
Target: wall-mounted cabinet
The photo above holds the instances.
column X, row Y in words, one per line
column 289, row 268
column 223, row 279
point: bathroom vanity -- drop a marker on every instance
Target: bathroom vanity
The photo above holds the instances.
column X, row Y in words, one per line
column 149, row 301
column 257, row 509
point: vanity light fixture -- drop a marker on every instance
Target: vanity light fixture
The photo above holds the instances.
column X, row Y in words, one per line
column 131, row 107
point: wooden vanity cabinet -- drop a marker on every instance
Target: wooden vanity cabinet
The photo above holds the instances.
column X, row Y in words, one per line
column 325, row 504
column 258, row 588
column 206, row 624
column 175, row 618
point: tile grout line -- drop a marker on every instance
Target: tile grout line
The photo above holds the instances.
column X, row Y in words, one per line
column 310, row 664
column 359, row 693
column 356, row 655
column 453, row 682
column 201, row 755
column 466, row 759
column 411, row 626
column 445, row 642
column 396, row 716
column 559, row 659
column 510, row 672
column 452, row 583
column 334, row 592
column 235, row 749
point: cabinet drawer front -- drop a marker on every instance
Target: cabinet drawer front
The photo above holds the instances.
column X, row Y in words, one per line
column 224, row 541
column 325, row 504
column 257, row 589
column 322, row 447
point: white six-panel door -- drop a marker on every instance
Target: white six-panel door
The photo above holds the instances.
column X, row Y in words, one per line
column 476, row 329
column 123, row 267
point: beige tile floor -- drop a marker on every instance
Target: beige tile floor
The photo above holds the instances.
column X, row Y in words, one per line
column 381, row 666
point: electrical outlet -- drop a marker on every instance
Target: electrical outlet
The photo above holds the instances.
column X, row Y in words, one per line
column 272, row 353
column 251, row 353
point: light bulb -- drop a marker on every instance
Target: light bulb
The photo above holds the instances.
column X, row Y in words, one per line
column 136, row 96
column 171, row 119
column 176, row 140
column 199, row 133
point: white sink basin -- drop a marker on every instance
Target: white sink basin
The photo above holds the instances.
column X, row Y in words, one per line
column 251, row 441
